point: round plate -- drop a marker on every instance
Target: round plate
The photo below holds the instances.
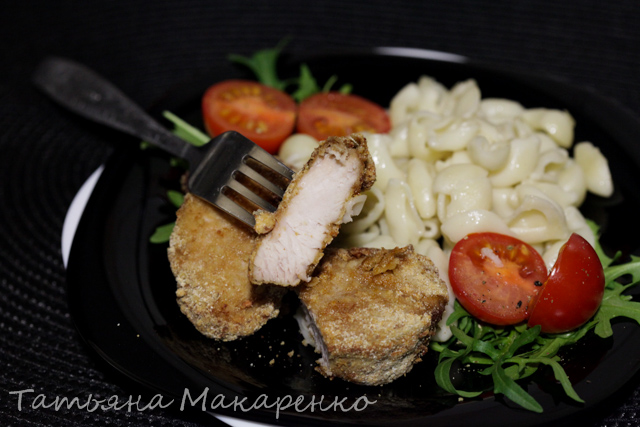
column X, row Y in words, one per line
column 122, row 293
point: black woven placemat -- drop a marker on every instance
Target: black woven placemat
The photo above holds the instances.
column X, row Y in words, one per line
column 145, row 48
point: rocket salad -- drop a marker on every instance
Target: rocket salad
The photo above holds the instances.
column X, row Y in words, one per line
column 508, row 354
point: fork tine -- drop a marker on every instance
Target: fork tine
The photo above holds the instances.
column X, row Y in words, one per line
column 260, row 155
column 250, row 195
column 235, row 210
column 230, row 161
column 260, row 180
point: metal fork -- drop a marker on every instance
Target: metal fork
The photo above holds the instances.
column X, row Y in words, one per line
column 221, row 165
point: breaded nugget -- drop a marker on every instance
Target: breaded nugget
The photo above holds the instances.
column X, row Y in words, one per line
column 371, row 312
column 323, row 195
column 209, row 254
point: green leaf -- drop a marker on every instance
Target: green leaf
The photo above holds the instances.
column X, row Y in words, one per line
column 458, row 313
column 162, row 233
column 520, row 369
column 631, row 268
column 346, row 89
column 504, row 385
column 185, row 131
column 329, row 83
column 175, row 197
column 436, row 346
column 443, row 378
column 486, row 348
column 560, row 375
column 522, row 339
column 612, row 306
column 614, row 302
column 263, row 63
column 307, row 85
column 447, row 353
column 462, row 337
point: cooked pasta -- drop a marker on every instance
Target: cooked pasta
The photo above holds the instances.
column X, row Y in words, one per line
column 521, row 162
column 595, row 167
column 460, row 188
column 557, row 124
column 454, row 163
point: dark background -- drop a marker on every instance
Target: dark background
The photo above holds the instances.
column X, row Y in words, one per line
column 145, row 48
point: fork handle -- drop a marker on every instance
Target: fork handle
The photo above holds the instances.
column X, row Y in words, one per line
column 86, row 93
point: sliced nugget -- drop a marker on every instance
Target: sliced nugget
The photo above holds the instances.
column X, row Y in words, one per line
column 371, row 313
column 209, row 253
column 325, row 193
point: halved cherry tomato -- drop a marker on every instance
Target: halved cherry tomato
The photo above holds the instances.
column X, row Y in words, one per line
column 263, row 114
column 495, row 277
column 335, row 114
column 574, row 290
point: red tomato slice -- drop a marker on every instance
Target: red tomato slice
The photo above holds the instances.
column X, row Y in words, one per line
column 335, row 114
column 263, row 114
column 573, row 292
column 495, row 277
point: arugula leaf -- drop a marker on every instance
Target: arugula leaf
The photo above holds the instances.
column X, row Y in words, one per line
column 615, row 304
column 509, row 355
column 185, row 131
column 443, row 377
column 307, row 85
column 521, row 339
column 263, row 64
column 175, row 197
column 504, row 385
column 561, row 376
column 458, row 313
column 632, row 268
column 344, row 89
column 162, row 233
column 443, row 370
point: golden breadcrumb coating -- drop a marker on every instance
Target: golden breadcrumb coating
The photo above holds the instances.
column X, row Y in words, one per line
column 372, row 312
column 209, row 254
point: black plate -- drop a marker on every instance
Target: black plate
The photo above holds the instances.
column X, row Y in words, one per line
column 121, row 290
